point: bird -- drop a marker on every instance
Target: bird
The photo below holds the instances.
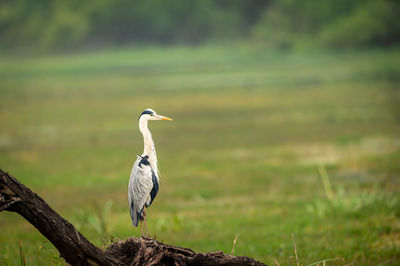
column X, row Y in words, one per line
column 144, row 179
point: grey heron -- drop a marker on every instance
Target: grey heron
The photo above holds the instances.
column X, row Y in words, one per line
column 144, row 179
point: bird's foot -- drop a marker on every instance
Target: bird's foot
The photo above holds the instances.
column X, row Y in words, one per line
column 146, row 236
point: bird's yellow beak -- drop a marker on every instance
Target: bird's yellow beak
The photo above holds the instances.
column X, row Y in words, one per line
column 165, row 118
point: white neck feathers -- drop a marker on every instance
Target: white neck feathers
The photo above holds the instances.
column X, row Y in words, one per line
column 149, row 148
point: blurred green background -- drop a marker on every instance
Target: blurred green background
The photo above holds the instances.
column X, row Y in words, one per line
column 286, row 120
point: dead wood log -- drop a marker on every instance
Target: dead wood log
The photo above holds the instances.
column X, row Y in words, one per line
column 73, row 246
column 139, row 251
column 77, row 250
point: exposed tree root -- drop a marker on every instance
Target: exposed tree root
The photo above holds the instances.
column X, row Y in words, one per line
column 140, row 251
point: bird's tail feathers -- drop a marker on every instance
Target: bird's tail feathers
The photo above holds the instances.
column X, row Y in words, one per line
column 136, row 216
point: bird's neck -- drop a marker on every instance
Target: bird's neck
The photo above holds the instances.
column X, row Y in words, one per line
column 149, row 148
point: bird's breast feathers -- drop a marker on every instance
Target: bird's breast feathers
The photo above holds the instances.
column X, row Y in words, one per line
column 143, row 183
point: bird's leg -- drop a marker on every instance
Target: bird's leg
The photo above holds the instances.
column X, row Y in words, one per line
column 141, row 227
column 145, row 224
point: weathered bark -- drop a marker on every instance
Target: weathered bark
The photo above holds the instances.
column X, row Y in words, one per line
column 139, row 251
column 77, row 250
column 73, row 246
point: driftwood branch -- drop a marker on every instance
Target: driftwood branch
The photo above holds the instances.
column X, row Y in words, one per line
column 73, row 246
column 77, row 250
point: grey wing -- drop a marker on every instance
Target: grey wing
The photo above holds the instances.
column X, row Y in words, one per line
column 140, row 186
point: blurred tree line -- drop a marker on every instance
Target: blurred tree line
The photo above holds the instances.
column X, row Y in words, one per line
column 278, row 23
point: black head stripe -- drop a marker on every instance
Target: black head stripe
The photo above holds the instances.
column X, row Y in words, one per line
column 146, row 112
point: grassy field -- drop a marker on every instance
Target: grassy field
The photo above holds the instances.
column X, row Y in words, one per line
column 262, row 145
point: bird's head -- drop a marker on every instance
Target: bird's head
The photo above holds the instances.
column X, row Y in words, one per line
column 150, row 114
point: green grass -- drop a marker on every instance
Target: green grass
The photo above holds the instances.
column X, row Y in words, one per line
column 251, row 129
